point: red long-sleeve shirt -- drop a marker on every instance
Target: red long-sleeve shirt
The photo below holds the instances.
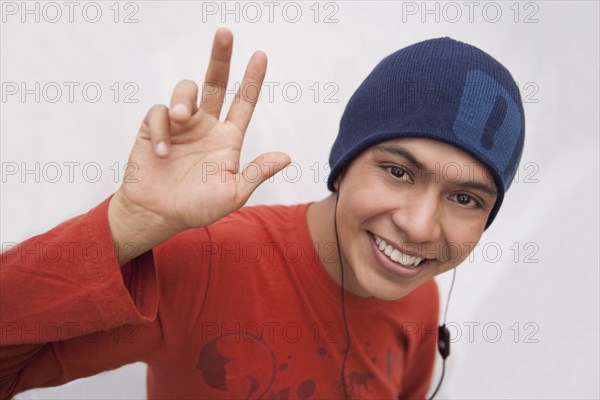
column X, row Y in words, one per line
column 240, row 309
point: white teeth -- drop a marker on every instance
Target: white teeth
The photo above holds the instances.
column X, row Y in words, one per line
column 406, row 259
column 396, row 255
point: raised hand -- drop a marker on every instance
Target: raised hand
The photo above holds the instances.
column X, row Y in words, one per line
column 186, row 160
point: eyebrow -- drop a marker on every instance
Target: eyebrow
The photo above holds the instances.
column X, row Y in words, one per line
column 478, row 186
column 402, row 152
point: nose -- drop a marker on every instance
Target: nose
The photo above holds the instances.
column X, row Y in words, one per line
column 419, row 218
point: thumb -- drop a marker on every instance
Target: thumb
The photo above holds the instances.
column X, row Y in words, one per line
column 260, row 169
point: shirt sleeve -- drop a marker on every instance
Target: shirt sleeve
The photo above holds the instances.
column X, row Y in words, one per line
column 68, row 310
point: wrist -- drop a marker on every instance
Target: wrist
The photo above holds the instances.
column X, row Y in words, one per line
column 135, row 229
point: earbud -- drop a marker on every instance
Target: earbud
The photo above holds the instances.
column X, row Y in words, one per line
column 443, row 341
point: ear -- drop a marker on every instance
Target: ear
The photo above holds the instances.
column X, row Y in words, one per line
column 336, row 183
column 338, row 179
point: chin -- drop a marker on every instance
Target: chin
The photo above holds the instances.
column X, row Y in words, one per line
column 384, row 289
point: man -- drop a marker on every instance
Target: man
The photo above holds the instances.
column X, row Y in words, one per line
column 323, row 300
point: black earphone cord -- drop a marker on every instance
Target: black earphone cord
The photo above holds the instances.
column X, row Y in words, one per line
column 443, row 333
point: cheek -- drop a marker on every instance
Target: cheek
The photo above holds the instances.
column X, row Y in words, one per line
column 461, row 242
column 362, row 201
column 455, row 252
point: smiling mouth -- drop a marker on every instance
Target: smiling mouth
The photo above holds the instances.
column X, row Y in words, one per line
column 396, row 255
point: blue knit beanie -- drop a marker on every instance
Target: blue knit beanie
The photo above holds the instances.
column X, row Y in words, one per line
column 440, row 89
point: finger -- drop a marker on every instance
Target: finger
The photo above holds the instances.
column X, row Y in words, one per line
column 157, row 122
column 262, row 168
column 183, row 101
column 217, row 74
column 245, row 99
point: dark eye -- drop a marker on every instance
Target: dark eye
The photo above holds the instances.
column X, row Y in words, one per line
column 400, row 173
column 463, row 199
column 467, row 200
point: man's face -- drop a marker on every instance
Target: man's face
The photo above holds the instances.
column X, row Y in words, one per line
column 424, row 199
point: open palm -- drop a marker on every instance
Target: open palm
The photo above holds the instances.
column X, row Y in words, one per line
column 185, row 161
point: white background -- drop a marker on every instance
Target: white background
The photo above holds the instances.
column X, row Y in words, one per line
column 546, row 309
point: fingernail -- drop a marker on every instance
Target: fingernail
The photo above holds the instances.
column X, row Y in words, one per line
column 180, row 109
column 161, row 148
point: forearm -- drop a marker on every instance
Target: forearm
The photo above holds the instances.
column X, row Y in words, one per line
column 56, row 305
column 78, row 281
